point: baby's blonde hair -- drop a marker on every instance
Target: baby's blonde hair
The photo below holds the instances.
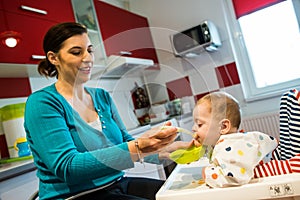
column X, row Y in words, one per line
column 223, row 106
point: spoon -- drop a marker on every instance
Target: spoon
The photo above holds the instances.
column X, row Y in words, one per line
column 183, row 130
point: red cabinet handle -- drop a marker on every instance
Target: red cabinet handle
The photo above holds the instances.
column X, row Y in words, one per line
column 38, row 57
column 123, row 53
column 31, row 9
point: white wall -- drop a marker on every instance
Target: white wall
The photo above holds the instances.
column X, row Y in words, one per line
column 168, row 16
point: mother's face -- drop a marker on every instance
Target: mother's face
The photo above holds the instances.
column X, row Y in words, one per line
column 75, row 59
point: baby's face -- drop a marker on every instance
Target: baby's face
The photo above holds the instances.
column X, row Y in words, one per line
column 206, row 128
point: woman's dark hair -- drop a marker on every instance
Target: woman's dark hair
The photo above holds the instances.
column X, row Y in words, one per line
column 54, row 40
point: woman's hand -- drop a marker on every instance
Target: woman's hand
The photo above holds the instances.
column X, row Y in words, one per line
column 165, row 152
column 152, row 141
column 157, row 138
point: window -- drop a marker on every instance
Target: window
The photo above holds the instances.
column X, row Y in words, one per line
column 267, row 50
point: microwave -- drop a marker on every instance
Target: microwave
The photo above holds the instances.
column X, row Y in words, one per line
column 195, row 40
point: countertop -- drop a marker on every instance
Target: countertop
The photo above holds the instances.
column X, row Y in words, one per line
column 12, row 169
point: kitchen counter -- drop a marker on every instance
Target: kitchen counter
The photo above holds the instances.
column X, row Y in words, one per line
column 12, row 169
column 18, row 180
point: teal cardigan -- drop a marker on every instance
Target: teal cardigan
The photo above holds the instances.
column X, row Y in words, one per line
column 69, row 154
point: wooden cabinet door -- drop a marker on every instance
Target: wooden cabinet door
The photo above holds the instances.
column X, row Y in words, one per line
column 123, row 31
column 32, row 32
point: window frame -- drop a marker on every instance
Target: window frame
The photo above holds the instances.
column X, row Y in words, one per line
column 251, row 92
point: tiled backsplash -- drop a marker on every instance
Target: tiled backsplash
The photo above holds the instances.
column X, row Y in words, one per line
column 179, row 88
column 227, row 75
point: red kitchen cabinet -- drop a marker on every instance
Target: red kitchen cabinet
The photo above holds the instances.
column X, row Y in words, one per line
column 32, row 26
column 123, row 31
column 54, row 10
column 2, row 21
column 32, row 31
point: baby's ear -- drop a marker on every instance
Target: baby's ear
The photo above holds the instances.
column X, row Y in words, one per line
column 225, row 126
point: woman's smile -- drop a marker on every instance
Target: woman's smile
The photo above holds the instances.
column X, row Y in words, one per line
column 86, row 70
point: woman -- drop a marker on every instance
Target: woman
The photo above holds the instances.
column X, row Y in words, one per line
column 79, row 143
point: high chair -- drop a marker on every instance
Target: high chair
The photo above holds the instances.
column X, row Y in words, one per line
column 186, row 182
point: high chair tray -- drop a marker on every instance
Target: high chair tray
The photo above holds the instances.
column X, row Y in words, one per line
column 185, row 183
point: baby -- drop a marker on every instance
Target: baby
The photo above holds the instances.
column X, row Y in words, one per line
column 234, row 155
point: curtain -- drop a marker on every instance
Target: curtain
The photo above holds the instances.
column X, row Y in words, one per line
column 244, row 7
